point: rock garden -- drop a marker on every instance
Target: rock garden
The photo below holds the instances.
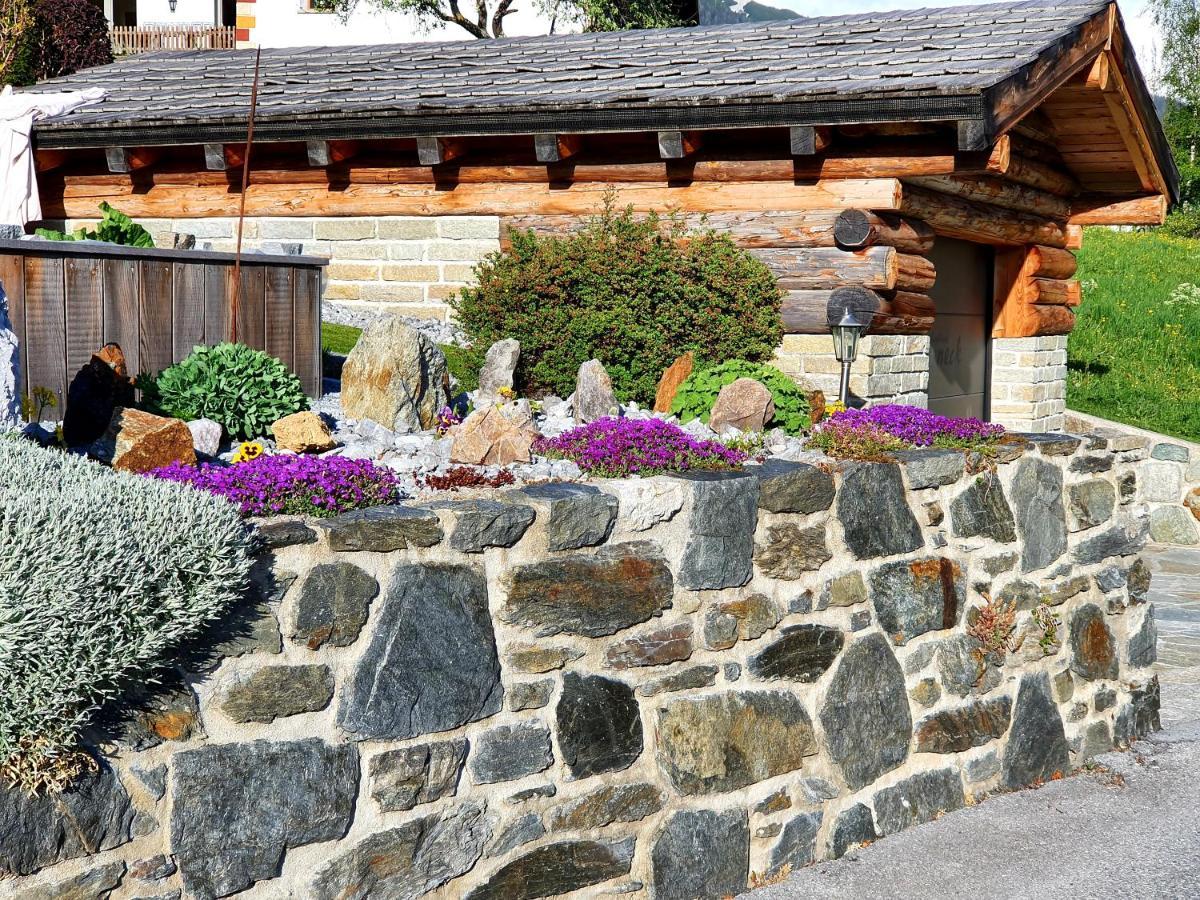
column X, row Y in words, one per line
column 596, row 601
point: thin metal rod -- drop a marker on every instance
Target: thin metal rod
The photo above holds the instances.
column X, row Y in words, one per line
column 237, row 259
column 844, row 388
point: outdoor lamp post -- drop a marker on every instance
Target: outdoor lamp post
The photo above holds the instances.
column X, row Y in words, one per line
column 845, row 348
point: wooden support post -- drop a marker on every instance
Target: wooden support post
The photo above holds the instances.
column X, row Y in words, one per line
column 552, row 148
column 809, row 140
column 678, row 144
column 433, row 151
column 124, row 160
column 1027, row 305
column 328, row 153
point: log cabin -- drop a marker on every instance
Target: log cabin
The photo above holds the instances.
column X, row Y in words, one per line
column 942, row 163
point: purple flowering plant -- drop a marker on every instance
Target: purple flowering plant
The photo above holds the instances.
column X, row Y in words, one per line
column 292, row 485
column 614, row 448
column 874, row 432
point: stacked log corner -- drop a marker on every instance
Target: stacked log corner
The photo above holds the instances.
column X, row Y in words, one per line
column 1035, row 292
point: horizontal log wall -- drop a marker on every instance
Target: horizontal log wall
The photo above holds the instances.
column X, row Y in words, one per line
column 66, row 303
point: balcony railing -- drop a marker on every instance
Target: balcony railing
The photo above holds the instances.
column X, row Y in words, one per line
column 127, row 39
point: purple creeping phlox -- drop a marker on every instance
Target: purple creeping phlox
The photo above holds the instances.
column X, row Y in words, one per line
column 292, row 485
column 613, row 448
column 871, row 433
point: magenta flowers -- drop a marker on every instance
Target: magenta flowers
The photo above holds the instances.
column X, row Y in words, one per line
column 613, row 448
column 920, row 427
column 292, row 485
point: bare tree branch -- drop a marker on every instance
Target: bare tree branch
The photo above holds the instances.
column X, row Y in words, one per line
column 498, row 18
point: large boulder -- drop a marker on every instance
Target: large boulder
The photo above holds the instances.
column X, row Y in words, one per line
column 495, row 436
column 594, row 397
column 97, row 389
column 744, row 404
column 137, row 441
column 395, row 376
column 10, row 369
column 496, row 375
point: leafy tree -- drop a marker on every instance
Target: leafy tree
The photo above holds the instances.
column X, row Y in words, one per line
column 486, row 18
column 42, row 39
column 1179, row 73
column 16, row 24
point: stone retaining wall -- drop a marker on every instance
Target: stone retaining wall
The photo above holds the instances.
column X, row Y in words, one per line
column 667, row 688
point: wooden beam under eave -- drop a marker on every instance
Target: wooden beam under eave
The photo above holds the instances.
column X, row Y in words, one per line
column 552, row 148
column 322, row 154
column 678, row 144
column 983, row 223
column 491, row 198
column 809, row 140
column 124, row 160
column 433, row 151
column 1106, row 77
column 1098, row 210
column 47, row 160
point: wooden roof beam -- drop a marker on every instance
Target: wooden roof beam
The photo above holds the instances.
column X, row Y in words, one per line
column 809, row 140
column 1105, row 76
column 46, row 160
column 552, row 148
column 678, row 144
column 433, row 151
column 1100, row 210
column 329, row 153
column 125, row 160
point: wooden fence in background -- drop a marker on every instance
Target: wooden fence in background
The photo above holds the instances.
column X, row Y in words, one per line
column 67, row 300
column 127, row 39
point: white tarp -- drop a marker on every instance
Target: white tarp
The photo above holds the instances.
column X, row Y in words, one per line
column 18, row 113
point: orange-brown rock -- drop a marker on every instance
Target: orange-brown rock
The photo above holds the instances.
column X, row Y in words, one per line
column 745, row 404
column 496, row 436
column 672, row 377
column 303, row 432
column 137, row 441
column 1192, row 502
column 816, row 406
column 97, row 389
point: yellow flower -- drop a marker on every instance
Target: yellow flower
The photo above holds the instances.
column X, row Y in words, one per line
column 836, row 406
column 247, row 450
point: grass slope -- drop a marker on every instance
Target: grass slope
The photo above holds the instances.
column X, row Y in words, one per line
column 1135, row 351
column 338, row 338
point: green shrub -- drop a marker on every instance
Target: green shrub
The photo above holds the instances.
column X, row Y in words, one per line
column 625, row 290
column 464, row 364
column 698, row 393
column 102, row 573
column 114, row 227
column 244, row 389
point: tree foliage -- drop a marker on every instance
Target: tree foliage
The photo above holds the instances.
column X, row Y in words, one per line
column 485, row 18
column 1179, row 72
column 42, row 39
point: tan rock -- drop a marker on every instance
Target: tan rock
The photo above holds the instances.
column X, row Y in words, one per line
column 303, row 432
column 594, row 397
column 496, row 436
column 672, row 377
column 745, row 404
column 137, row 441
column 816, row 406
column 1192, row 502
column 395, row 376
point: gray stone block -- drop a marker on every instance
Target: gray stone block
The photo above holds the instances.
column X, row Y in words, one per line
column 404, row 778
column 577, row 515
column 788, row 551
column 720, row 544
column 917, row 800
column 912, row 597
column 873, row 508
column 1122, row 540
column 1173, row 525
column 1041, row 519
column 931, row 468
column 1093, row 650
column 702, row 853
column 331, row 606
column 802, row 653
column 509, row 752
column 791, row 487
column 1170, row 452
column 982, row 511
column 599, row 725
column 1037, row 746
column 383, row 529
column 479, row 524
column 797, row 845
column 273, row 692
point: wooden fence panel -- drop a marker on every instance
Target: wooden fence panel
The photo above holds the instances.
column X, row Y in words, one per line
column 85, row 311
column 188, row 287
column 46, row 327
column 280, row 293
column 308, row 330
column 156, row 341
column 12, row 277
column 67, row 301
column 121, row 309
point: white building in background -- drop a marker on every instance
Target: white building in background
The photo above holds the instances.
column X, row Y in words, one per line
column 296, row 23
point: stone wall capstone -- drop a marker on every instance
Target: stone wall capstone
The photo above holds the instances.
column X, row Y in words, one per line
column 548, row 690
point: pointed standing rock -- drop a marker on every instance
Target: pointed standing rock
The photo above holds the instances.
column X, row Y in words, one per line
column 499, row 367
column 594, row 397
column 672, row 377
column 395, row 376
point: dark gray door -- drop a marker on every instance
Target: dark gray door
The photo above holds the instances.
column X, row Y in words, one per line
column 960, row 343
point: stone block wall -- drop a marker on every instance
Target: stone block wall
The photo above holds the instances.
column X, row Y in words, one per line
column 1029, row 383
column 889, row 368
column 663, row 688
column 408, row 265
column 1168, row 472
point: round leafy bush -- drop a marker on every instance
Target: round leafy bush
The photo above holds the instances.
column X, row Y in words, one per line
column 697, row 394
column 67, row 35
column 633, row 292
column 244, row 389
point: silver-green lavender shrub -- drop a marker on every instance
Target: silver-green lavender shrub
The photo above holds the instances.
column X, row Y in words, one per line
column 102, row 574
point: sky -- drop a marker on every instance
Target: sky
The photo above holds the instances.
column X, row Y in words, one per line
column 1142, row 32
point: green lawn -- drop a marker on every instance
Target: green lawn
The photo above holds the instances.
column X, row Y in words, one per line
column 1135, row 351
column 338, row 338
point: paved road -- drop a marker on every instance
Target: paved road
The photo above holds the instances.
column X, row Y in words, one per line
column 1131, row 833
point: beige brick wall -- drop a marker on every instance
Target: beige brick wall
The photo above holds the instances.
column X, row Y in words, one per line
column 889, row 368
column 405, row 264
column 1029, row 383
